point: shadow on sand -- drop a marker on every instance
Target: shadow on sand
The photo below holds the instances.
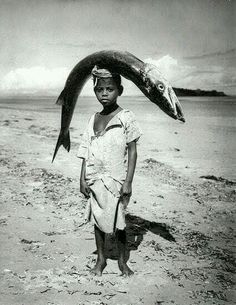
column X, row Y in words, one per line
column 136, row 227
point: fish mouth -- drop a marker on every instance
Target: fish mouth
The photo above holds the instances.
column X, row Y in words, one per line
column 176, row 109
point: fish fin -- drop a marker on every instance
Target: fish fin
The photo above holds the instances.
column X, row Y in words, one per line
column 61, row 98
column 63, row 139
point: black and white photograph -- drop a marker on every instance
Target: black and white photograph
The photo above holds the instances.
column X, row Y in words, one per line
column 117, row 152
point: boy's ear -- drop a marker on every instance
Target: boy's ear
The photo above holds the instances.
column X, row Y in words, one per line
column 121, row 88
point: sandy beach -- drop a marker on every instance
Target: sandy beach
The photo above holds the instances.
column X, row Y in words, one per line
column 181, row 238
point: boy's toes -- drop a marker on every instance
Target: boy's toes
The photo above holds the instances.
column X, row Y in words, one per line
column 96, row 272
column 98, row 269
column 126, row 271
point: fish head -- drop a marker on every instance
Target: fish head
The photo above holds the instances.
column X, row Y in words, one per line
column 160, row 92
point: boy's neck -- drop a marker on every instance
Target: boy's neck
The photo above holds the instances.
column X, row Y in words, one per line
column 109, row 109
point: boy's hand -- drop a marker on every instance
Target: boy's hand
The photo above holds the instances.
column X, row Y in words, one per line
column 84, row 188
column 126, row 189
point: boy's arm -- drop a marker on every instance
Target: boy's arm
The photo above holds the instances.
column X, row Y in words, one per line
column 82, row 173
column 126, row 189
column 84, row 188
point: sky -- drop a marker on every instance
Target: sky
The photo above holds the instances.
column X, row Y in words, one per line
column 192, row 42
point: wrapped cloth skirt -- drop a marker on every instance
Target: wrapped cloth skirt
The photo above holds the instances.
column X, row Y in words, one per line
column 105, row 207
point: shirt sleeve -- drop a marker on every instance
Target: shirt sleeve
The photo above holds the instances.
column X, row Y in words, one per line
column 132, row 129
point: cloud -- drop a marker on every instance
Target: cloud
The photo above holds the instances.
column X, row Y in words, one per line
column 33, row 80
column 41, row 80
column 183, row 75
column 171, row 69
column 45, row 81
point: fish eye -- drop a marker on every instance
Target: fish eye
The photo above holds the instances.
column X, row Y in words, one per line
column 161, row 87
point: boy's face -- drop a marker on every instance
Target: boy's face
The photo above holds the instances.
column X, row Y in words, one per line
column 106, row 91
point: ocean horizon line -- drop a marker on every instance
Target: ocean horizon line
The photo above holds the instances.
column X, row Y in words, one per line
column 53, row 96
column 35, row 96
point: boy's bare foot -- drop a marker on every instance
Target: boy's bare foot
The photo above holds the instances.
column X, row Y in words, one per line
column 125, row 270
column 98, row 268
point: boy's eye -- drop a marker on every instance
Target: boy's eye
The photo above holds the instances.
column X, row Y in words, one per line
column 98, row 89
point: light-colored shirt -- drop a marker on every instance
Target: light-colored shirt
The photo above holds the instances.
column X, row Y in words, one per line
column 106, row 153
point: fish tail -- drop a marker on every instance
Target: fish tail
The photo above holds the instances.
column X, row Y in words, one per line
column 63, row 139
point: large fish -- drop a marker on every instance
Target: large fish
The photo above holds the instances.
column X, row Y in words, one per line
column 145, row 76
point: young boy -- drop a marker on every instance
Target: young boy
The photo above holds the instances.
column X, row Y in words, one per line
column 107, row 173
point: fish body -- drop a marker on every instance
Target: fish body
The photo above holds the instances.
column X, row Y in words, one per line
column 145, row 76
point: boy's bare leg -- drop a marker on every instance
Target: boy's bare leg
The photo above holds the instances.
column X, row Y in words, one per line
column 101, row 261
column 121, row 243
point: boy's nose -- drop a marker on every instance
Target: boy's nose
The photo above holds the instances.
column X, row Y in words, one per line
column 104, row 92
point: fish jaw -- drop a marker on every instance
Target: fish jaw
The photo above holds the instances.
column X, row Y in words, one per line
column 160, row 92
column 168, row 102
column 176, row 106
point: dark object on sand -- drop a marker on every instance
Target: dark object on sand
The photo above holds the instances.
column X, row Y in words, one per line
column 219, row 179
column 26, row 241
column 145, row 76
